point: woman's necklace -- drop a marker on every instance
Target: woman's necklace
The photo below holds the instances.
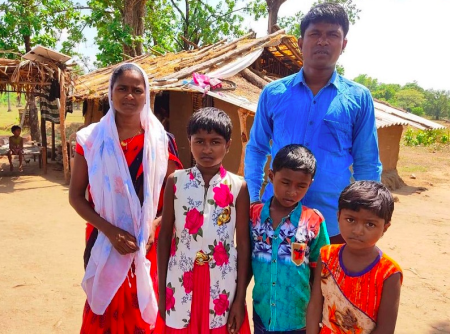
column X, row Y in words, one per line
column 124, row 143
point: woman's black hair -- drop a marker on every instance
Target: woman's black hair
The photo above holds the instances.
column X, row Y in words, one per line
column 326, row 12
column 368, row 195
column 15, row 127
column 295, row 157
column 210, row 119
column 118, row 71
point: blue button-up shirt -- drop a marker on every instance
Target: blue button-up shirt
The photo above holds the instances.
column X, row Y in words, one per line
column 282, row 259
column 337, row 125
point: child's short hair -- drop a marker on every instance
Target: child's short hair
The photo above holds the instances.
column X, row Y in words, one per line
column 296, row 157
column 210, row 119
column 368, row 195
column 15, row 127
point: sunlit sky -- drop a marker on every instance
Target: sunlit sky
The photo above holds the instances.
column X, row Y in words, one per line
column 395, row 41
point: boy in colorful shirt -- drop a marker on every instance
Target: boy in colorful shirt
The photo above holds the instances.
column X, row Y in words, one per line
column 286, row 240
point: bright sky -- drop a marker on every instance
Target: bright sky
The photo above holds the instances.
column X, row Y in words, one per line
column 395, row 41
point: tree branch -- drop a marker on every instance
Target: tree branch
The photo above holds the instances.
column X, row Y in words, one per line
column 179, row 11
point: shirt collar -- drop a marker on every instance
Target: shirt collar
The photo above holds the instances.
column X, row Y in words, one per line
column 334, row 80
column 195, row 174
column 294, row 215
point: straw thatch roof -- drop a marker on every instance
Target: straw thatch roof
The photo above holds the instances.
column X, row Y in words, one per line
column 23, row 76
column 279, row 54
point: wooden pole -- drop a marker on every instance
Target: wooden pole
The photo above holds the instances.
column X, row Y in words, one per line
column 152, row 100
column 62, row 127
column 53, row 142
column 253, row 78
column 243, row 114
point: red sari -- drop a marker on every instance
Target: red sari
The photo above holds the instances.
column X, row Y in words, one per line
column 123, row 315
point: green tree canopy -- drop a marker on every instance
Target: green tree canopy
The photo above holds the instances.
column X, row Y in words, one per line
column 25, row 23
column 409, row 98
column 437, row 103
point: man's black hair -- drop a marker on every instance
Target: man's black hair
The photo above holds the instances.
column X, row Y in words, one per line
column 295, row 157
column 118, row 71
column 15, row 127
column 210, row 119
column 368, row 195
column 326, row 12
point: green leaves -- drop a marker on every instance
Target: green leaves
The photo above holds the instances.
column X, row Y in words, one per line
column 40, row 22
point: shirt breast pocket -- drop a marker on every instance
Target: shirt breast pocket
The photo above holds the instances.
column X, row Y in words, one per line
column 335, row 137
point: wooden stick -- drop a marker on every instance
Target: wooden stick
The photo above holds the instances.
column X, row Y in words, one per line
column 248, row 47
column 209, row 47
column 253, row 78
column 260, row 74
column 243, row 114
column 188, row 41
column 62, row 127
column 207, row 56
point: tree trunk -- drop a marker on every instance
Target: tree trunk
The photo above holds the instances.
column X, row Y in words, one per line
column 34, row 120
column 133, row 18
column 273, row 6
column 32, row 110
column 27, row 41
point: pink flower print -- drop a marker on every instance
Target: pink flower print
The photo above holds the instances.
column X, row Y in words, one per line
column 174, row 188
column 191, row 175
column 223, row 196
column 194, row 221
column 221, row 304
column 220, row 254
column 188, row 281
column 119, row 185
column 222, row 172
column 170, row 299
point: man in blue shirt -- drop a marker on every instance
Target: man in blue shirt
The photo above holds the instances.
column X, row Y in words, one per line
column 332, row 116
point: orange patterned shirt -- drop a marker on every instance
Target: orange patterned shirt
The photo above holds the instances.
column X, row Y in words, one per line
column 352, row 300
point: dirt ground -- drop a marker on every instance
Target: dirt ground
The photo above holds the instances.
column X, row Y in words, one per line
column 42, row 241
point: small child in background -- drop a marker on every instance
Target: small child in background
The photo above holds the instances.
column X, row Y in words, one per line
column 202, row 276
column 286, row 240
column 357, row 287
column 15, row 147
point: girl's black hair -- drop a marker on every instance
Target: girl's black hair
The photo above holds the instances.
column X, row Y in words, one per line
column 295, row 157
column 326, row 12
column 118, row 71
column 368, row 195
column 210, row 119
column 15, row 127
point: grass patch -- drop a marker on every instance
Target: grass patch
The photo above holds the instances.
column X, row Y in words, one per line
column 413, row 169
column 8, row 119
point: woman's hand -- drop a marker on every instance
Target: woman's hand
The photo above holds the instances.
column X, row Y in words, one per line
column 236, row 316
column 151, row 238
column 123, row 242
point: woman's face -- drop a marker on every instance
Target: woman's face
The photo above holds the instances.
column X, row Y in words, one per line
column 128, row 93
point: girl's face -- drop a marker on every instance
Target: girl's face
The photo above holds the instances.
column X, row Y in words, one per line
column 128, row 93
column 208, row 149
column 361, row 229
column 17, row 132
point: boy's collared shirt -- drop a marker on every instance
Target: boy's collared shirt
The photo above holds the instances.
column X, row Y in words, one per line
column 282, row 260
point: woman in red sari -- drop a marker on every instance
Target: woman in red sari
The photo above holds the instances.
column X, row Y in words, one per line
column 117, row 302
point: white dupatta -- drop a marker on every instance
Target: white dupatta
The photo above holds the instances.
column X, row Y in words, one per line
column 116, row 201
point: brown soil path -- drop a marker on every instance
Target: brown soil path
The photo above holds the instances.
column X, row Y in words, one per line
column 42, row 241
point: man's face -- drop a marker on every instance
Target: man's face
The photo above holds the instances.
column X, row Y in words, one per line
column 322, row 44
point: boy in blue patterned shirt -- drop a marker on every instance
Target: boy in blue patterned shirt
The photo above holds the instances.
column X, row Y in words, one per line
column 286, row 239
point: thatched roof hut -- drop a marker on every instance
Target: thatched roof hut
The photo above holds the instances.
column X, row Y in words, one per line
column 247, row 65
column 28, row 75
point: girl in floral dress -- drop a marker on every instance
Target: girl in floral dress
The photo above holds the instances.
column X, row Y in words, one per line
column 202, row 284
